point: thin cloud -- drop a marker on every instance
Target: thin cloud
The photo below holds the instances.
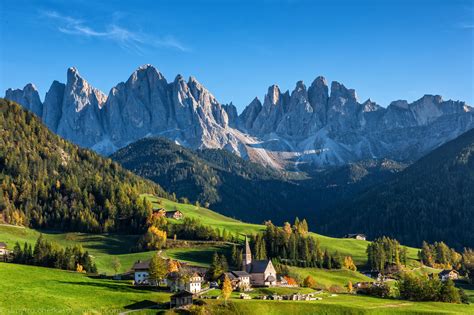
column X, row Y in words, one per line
column 125, row 38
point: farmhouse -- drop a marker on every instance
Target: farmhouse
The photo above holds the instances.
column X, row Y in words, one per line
column 238, row 279
column 175, row 214
column 262, row 272
column 3, row 249
column 448, row 274
column 141, row 272
column 194, row 283
column 181, row 298
column 360, row 237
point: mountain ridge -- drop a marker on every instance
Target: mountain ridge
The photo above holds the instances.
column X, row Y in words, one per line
column 431, row 200
column 320, row 125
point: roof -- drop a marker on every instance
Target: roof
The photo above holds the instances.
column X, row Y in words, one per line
column 240, row 273
column 354, row 235
column 447, row 272
column 158, row 209
column 141, row 265
column 182, row 294
column 259, row 266
column 3, row 245
column 230, row 276
column 173, row 211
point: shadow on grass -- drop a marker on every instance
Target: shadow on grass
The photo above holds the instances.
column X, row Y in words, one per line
column 109, row 285
column 147, row 304
column 202, row 256
column 108, row 243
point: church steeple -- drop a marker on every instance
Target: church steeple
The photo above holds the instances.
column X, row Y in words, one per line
column 248, row 256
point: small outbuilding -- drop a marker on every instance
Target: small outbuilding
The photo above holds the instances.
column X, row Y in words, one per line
column 175, row 214
column 357, row 236
column 3, row 248
column 448, row 274
column 181, row 298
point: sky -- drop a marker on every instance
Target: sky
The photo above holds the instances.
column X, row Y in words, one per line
column 385, row 50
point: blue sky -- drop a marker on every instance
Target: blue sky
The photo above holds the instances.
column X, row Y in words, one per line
column 386, row 50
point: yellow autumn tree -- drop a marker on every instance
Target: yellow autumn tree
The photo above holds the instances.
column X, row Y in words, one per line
column 155, row 238
column 349, row 263
column 173, row 265
column 79, row 268
column 350, row 288
column 226, row 289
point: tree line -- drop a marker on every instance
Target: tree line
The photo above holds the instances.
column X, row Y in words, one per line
column 383, row 251
column 439, row 255
column 48, row 254
column 292, row 245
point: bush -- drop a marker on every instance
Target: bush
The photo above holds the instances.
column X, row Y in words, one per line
column 336, row 289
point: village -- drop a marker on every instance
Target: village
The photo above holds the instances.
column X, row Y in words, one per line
column 189, row 282
column 186, row 283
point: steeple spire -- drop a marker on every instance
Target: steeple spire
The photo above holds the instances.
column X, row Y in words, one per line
column 248, row 256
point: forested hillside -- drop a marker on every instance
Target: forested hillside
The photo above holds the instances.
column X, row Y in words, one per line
column 431, row 200
column 47, row 182
column 246, row 190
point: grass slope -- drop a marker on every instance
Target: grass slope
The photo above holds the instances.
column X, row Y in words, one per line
column 341, row 304
column 28, row 289
column 327, row 278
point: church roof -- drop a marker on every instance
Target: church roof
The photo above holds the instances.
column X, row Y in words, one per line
column 259, row 266
column 240, row 273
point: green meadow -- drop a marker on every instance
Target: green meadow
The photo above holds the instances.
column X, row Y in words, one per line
column 30, row 289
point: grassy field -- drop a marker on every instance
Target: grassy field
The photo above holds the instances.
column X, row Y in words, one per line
column 340, row 304
column 327, row 278
column 28, row 289
column 55, row 291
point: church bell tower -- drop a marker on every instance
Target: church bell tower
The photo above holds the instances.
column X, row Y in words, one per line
column 247, row 256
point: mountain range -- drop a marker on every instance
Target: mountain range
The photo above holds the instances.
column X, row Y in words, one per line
column 309, row 127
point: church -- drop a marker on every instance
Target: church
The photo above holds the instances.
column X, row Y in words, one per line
column 262, row 272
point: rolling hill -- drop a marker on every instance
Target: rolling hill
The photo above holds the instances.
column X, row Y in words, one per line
column 431, row 200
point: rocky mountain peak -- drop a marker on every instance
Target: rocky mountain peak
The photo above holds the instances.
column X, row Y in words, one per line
column 273, row 94
column 339, row 90
column 403, row 104
column 28, row 97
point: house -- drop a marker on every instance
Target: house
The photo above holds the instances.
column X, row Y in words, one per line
column 175, row 214
column 262, row 272
column 448, row 274
column 360, row 237
column 243, row 278
column 3, row 249
column 141, row 272
column 194, row 283
column 181, row 298
column 374, row 274
column 238, row 279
